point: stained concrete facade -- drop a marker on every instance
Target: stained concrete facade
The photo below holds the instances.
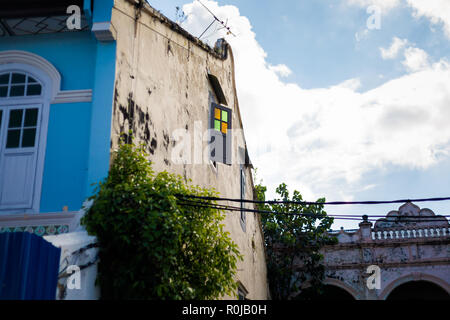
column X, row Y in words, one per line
column 163, row 88
column 405, row 251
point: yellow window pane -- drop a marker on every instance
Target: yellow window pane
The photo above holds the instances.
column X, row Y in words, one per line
column 217, row 113
column 224, row 127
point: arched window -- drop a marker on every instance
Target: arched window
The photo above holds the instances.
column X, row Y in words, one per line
column 15, row 84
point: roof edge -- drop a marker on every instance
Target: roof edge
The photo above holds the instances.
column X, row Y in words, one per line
column 219, row 51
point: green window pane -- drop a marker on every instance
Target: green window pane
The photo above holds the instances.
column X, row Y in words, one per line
column 224, row 116
column 217, row 125
column 17, row 91
column 18, row 78
column 4, row 78
column 28, row 137
column 3, row 91
column 13, row 139
column 31, row 80
column 31, row 117
column 15, row 118
column 34, row 90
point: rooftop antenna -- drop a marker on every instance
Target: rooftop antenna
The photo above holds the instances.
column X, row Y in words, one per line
column 224, row 24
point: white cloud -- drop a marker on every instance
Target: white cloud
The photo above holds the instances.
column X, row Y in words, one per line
column 281, row 69
column 323, row 140
column 437, row 11
column 361, row 35
column 415, row 59
column 384, row 5
column 392, row 52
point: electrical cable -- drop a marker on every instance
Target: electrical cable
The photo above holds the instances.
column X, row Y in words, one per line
column 202, row 204
column 316, row 203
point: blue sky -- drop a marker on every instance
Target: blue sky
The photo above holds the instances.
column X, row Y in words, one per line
column 351, row 123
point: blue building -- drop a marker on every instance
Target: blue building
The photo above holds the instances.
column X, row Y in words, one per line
column 57, row 70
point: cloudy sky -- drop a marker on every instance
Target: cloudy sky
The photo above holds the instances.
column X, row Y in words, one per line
column 343, row 99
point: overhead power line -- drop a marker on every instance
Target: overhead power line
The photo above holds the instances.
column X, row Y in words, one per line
column 203, row 204
column 316, row 202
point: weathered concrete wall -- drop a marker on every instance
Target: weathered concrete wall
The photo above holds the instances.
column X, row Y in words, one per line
column 161, row 87
column 75, row 252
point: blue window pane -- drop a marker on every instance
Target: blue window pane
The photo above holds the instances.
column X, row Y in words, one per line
column 4, row 78
column 3, row 91
column 18, row 78
column 15, row 118
column 34, row 90
column 13, row 139
column 17, row 91
column 31, row 117
column 28, row 138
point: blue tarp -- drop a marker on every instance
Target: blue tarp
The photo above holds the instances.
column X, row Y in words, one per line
column 29, row 267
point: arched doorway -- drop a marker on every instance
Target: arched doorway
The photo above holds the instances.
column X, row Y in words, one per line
column 418, row 290
column 330, row 292
column 28, row 84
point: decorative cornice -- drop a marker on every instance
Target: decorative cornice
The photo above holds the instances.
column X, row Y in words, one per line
column 104, row 31
column 71, row 96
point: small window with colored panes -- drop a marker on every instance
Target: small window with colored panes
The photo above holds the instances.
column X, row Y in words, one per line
column 221, row 122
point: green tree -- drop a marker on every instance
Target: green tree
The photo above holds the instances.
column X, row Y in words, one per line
column 293, row 238
column 153, row 245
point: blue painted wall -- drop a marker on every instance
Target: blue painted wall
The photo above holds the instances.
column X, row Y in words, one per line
column 65, row 166
column 78, row 140
column 73, row 54
column 101, row 115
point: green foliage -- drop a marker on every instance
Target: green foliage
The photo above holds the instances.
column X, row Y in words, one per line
column 293, row 244
column 151, row 245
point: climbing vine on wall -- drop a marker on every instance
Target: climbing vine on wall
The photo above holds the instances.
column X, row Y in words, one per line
column 293, row 243
column 151, row 245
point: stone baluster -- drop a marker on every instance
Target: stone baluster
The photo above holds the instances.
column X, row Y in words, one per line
column 431, row 232
column 409, row 233
column 420, row 233
column 379, row 235
column 403, row 234
column 414, row 233
column 438, row 232
column 396, row 234
column 385, row 234
column 373, row 235
column 391, row 233
column 426, row 232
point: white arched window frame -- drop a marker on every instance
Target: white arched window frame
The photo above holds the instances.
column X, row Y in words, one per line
column 43, row 72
